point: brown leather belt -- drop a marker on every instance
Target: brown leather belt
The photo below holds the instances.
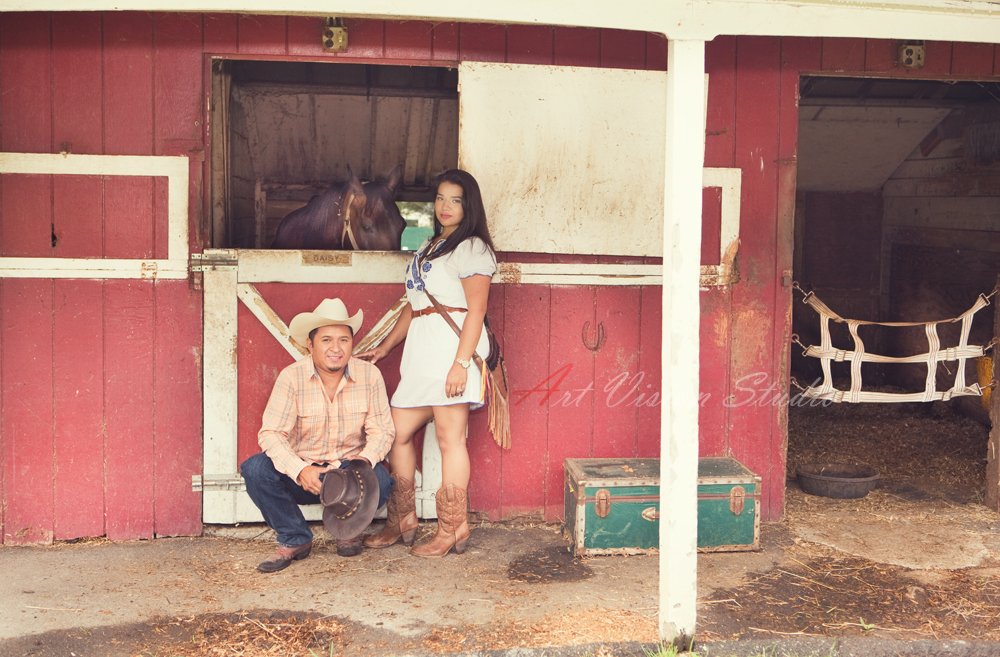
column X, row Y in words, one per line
column 430, row 310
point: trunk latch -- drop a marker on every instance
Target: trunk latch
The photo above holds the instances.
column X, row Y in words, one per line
column 602, row 504
column 736, row 499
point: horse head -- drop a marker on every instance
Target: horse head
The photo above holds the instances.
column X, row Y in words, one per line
column 349, row 215
column 370, row 219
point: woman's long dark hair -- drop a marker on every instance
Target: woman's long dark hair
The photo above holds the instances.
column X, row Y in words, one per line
column 474, row 213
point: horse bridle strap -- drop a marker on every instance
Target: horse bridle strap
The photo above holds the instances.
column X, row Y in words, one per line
column 347, row 229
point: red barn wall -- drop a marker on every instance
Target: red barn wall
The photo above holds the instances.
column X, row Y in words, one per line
column 101, row 387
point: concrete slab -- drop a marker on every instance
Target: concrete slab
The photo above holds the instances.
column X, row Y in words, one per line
column 927, row 544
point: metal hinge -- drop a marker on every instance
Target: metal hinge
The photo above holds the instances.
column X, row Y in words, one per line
column 147, row 270
column 232, row 482
column 214, row 260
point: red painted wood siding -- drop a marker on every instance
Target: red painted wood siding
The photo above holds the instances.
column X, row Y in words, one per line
column 109, row 446
column 101, row 383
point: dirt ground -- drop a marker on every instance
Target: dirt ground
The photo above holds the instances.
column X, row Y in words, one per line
column 916, row 560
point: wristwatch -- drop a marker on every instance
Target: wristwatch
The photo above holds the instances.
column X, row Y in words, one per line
column 464, row 362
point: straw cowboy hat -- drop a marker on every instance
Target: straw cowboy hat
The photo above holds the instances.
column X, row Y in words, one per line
column 350, row 498
column 330, row 312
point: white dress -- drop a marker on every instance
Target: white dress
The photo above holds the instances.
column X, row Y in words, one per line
column 431, row 345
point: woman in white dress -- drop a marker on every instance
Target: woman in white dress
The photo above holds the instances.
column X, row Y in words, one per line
column 439, row 380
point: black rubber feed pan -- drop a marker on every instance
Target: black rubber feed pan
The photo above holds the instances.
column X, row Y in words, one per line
column 840, row 480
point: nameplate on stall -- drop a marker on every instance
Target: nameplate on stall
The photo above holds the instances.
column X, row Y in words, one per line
column 326, row 258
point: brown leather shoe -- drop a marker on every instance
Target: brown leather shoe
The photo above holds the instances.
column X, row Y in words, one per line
column 284, row 556
column 350, row 547
column 401, row 517
column 453, row 524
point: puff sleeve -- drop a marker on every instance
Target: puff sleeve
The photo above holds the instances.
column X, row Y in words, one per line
column 473, row 257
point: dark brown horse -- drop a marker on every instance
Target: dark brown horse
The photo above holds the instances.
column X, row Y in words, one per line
column 349, row 215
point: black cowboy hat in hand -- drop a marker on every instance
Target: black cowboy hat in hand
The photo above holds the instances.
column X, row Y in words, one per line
column 350, row 498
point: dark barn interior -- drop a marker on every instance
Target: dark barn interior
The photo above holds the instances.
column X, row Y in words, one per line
column 897, row 220
column 286, row 130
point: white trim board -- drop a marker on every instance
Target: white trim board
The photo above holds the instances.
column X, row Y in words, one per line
column 174, row 168
column 941, row 20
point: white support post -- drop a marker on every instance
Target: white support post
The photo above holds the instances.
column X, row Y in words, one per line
column 429, row 476
column 220, row 506
column 685, row 154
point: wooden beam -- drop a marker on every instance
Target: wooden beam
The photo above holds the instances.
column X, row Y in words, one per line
column 992, row 497
column 881, row 102
column 287, row 89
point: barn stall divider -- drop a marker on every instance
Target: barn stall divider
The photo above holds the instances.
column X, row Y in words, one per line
column 250, row 295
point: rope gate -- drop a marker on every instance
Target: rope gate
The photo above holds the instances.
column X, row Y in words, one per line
column 935, row 354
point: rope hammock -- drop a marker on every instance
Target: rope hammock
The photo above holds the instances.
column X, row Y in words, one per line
column 935, row 354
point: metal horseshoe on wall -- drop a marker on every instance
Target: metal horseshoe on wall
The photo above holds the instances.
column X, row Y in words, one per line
column 601, row 337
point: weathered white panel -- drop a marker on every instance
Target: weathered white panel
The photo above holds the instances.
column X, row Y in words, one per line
column 731, row 182
column 444, row 146
column 390, row 119
column 569, row 159
column 858, row 148
column 958, row 213
column 955, row 183
column 286, row 136
column 343, row 136
column 282, row 266
column 926, row 168
column 264, row 266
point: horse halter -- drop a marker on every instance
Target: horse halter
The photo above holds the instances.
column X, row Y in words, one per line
column 347, row 232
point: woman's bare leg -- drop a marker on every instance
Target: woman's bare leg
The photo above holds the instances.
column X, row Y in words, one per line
column 402, row 456
column 451, row 424
column 401, row 511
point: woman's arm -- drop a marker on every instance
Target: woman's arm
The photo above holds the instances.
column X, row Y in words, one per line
column 396, row 335
column 477, row 293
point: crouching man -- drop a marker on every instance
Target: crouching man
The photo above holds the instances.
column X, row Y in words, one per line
column 326, row 412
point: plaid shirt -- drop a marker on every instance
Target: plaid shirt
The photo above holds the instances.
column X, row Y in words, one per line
column 302, row 427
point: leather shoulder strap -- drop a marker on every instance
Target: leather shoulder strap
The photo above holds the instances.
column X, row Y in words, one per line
column 451, row 322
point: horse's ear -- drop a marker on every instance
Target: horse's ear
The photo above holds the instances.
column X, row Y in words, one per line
column 354, row 192
column 395, row 178
column 353, row 182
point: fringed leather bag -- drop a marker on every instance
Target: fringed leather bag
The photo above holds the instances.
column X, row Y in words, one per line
column 494, row 373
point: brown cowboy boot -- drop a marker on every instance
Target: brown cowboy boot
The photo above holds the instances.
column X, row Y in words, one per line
column 284, row 556
column 453, row 524
column 401, row 517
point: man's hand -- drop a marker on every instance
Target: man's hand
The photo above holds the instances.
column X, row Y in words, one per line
column 309, row 478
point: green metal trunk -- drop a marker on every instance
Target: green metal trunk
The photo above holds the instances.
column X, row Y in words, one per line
column 612, row 505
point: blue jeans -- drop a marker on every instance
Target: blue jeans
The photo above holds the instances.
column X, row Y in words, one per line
column 278, row 497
